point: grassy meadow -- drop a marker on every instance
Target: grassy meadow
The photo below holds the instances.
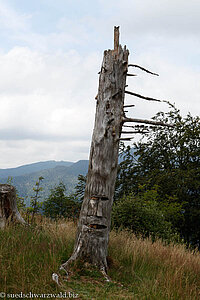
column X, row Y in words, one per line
column 138, row 269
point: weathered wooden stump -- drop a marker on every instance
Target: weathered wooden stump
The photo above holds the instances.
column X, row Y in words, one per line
column 8, row 206
column 95, row 217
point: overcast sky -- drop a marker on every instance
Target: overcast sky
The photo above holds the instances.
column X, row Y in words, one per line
column 51, row 53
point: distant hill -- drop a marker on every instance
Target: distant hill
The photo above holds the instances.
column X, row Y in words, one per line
column 54, row 172
column 34, row 167
column 66, row 173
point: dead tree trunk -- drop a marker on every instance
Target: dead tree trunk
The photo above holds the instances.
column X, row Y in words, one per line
column 95, row 217
column 8, row 206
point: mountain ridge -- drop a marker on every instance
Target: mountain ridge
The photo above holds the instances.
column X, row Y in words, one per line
column 33, row 167
column 52, row 177
column 24, row 177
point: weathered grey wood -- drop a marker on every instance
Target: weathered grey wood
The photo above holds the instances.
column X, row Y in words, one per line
column 94, row 222
column 8, row 206
column 158, row 123
column 132, row 132
column 143, row 97
column 143, row 69
column 131, row 105
column 95, row 217
column 131, row 75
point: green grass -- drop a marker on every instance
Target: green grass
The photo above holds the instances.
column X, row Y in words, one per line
column 138, row 269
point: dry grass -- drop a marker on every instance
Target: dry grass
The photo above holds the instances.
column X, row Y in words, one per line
column 28, row 256
column 138, row 268
column 169, row 271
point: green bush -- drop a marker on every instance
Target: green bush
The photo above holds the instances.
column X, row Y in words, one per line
column 142, row 214
column 169, row 158
column 59, row 205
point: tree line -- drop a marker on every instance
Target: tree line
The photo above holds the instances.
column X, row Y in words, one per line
column 161, row 188
column 157, row 192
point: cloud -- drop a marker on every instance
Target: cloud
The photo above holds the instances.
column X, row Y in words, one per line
column 20, row 152
column 170, row 17
column 47, row 98
column 48, row 78
column 177, row 84
column 11, row 20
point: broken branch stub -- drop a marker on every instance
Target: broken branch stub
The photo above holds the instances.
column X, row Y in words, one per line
column 131, row 105
column 116, row 40
column 143, row 97
column 133, row 132
column 151, row 122
column 143, row 69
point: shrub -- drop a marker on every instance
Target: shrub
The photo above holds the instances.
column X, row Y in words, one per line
column 142, row 214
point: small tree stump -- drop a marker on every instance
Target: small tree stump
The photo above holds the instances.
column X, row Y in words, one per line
column 8, row 206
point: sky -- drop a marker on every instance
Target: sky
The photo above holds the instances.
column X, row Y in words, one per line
column 51, row 53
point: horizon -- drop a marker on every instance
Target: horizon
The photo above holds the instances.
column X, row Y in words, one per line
column 44, row 161
column 50, row 56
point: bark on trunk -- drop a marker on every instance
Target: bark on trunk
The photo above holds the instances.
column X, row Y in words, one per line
column 95, row 217
column 8, row 206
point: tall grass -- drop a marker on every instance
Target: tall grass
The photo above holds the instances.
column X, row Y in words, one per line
column 157, row 271
column 28, row 256
column 138, row 268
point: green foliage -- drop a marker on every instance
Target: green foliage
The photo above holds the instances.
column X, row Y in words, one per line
column 143, row 215
column 59, row 205
column 35, row 204
column 80, row 187
column 10, row 180
column 20, row 203
column 168, row 157
column 126, row 169
column 138, row 269
column 30, row 254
